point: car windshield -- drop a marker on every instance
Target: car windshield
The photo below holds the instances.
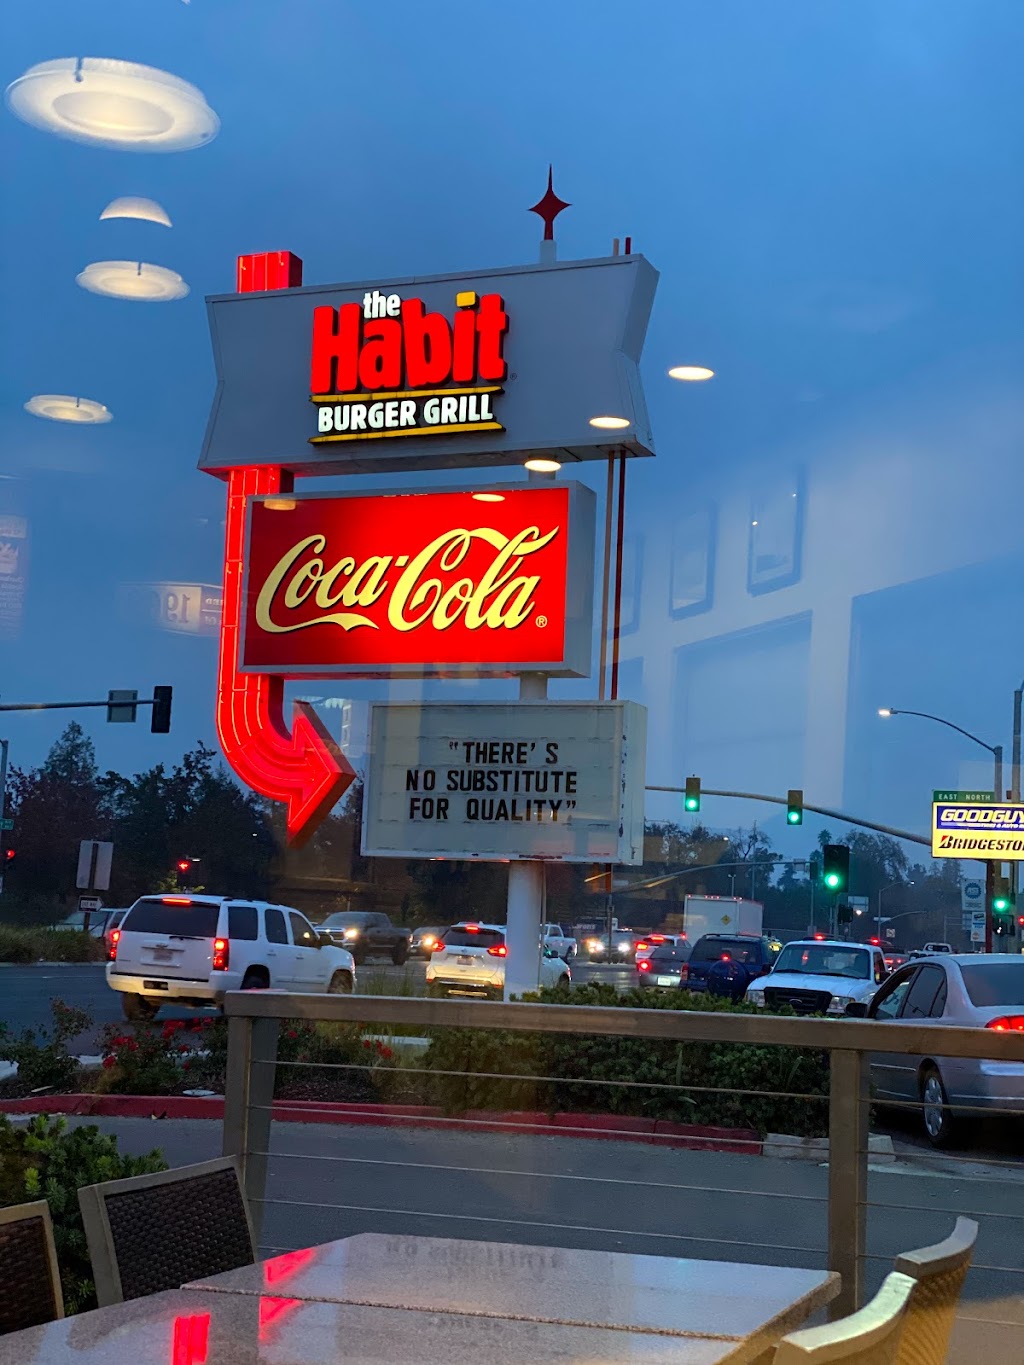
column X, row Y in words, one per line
column 666, row 952
column 714, row 949
column 995, row 983
column 462, row 937
column 347, row 919
column 824, row 959
column 172, row 915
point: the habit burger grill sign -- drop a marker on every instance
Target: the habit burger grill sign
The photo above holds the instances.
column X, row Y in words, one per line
column 433, row 372
column 387, row 366
column 420, row 583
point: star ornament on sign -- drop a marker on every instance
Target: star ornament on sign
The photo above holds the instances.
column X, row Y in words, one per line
column 548, row 207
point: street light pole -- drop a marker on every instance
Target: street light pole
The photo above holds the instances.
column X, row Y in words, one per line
column 996, row 750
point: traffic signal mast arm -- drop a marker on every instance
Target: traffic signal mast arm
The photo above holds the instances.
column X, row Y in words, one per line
column 818, row 810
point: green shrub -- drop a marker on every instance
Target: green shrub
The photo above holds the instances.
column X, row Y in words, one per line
column 43, row 1059
column 44, row 1159
column 684, row 1082
column 18, row 944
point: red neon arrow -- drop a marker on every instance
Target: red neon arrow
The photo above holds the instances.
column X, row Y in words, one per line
column 304, row 768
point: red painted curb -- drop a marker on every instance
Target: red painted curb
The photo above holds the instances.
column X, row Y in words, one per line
column 603, row 1127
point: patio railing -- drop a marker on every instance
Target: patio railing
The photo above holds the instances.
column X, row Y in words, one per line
column 387, row 1185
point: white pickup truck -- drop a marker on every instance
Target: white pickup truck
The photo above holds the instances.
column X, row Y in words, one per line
column 561, row 942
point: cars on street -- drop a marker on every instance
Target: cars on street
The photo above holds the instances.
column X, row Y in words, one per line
column 368, row 933
column 192, row 949
column 560, row 939
column 894, row 957
column 979, row 990
column 423, row 939
column 623, row 946
column 646, row 946
column 726, row 964
column 820, row 976
column 470, row 960
column 663, row 967
column 938, row 948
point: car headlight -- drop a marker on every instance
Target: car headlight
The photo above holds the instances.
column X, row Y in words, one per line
column 594, row 944
column 840, row 1002
column 756, row 997
column 622, row 947
column 351, row 933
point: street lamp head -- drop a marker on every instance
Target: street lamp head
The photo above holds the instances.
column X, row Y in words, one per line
column 885, row 712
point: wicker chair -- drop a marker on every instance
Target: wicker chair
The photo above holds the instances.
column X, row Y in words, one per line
column 155, row 1232
column 30, row 1292
column 868, row 1337
column 938, row 1272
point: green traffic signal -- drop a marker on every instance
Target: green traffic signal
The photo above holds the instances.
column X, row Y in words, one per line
column 691, row 800
column 836, row 867
column 1001, row 903
column 795, row 806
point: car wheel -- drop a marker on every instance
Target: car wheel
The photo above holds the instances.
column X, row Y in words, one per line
column 255, row 980
column 341, row 984
column 939, row 1124
column 138, row 1009
column 399, row 954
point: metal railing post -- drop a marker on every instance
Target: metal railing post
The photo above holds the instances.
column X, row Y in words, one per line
column 248, row 1098
column 847, row 1175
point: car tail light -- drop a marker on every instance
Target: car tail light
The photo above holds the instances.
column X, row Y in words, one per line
column 221, row 953
column 472, row 928
column 498, row 950
column 643, row 944
column 727, row 957
column 176, row 900
column 657, row 938
column 437, row 947
column 1008, row 1023
column 643, row 966
column 115, row 935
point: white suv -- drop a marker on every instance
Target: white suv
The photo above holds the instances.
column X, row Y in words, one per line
column 191, row 949
column 470, row 960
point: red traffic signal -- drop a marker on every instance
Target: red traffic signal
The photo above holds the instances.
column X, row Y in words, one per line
column 184, row 864
column 875, row 942
column 9, row 855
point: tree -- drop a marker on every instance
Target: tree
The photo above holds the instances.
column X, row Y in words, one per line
column 54, row 806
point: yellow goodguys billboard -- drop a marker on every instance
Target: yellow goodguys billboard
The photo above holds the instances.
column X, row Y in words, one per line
column 991, row 830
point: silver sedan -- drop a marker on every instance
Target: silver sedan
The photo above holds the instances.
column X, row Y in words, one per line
column 985, row 990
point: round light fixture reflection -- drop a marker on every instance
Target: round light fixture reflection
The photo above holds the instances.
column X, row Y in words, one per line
column 280, row 504
column 134, row 206
column 609, row 423
column 136, row 280
column 64, row 407
column 543, row 466
column 693, row 373
column 490, row 497
column 109, row 103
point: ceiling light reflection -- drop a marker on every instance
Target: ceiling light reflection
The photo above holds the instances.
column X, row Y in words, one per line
column 64, row 407
column 137, row 280
column 134, row 206
column 109, row 103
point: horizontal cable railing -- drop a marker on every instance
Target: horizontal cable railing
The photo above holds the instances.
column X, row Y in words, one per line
column 451, row 1164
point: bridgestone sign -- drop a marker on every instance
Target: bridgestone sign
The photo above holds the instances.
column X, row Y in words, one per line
column 983, row 830
column 507, row 781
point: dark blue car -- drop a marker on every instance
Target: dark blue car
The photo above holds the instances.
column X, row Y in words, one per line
column 725, row 964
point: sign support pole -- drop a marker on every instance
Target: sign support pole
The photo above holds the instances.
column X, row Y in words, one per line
column 526, row 885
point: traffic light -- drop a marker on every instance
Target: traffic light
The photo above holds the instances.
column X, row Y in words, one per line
column 1002, row 897
column 160, row 718
column 183, row 869
column 844, row 914
column 692, row 798
column 795, row 806
column 9, row 855
column 835, row 871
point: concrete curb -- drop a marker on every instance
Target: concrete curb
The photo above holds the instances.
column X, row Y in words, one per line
column 602, row 1127
column 786, row 1147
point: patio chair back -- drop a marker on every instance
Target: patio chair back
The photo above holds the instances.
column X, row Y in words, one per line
column 155, row 1232
column 30, row 1292
column 938, row 1272
column 870, row 1336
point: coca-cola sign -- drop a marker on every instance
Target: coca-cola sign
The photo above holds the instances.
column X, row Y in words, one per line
column 420, row 583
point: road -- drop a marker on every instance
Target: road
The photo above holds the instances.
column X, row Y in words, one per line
column 331, row 1182
column 26, row 991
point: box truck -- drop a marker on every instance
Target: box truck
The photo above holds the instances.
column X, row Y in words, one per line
column 720, row 915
